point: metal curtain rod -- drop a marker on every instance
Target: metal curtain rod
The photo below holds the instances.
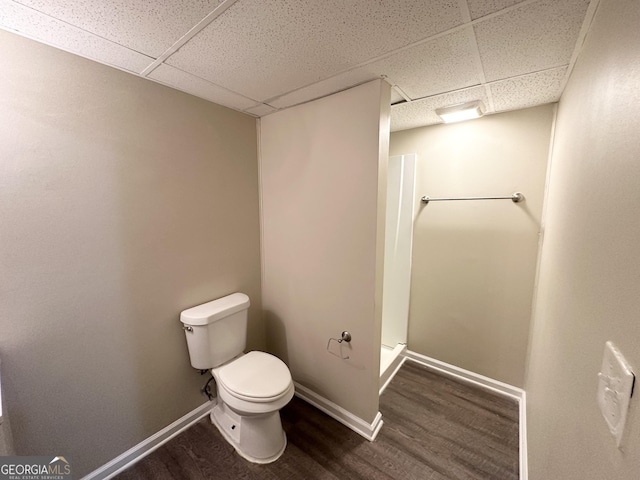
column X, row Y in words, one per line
column 516, row 197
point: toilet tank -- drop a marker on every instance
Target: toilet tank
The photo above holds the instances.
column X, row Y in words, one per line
column 216, row 331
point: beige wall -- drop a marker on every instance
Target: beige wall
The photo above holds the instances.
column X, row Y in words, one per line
column 122, row 202
column 590, row 270
column 474, row 262
column 321, row 168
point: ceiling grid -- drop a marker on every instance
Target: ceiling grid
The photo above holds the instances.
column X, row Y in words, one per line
column 259, row 56
column 219, row 10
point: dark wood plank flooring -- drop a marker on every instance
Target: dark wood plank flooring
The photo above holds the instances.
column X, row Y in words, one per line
column 434, row 428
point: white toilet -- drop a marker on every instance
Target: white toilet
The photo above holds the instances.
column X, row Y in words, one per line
column 251, row 387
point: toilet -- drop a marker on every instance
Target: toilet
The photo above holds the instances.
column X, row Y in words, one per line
column 251, row 388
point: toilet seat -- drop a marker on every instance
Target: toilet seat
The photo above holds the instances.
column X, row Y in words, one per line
column 256, row 377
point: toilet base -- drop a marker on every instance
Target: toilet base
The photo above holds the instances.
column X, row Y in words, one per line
column 256, row 438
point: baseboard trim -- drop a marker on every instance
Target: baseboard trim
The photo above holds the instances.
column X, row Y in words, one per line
column 361, row 427
column 367, row 430
column 144, row 448
column 486, row 383
column 466, row 375
column 524, row 459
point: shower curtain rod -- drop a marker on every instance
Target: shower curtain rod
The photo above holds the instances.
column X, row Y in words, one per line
column 516, row 197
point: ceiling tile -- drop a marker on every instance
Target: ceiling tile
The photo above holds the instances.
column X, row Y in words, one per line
column 146, row 26
column 441, row 65
column 25, row 21
column 264, row 48
column 534, row 37
column 480, row 8
column 420, row 113
column 529, row 90
column 261, row 110
column 186, row 82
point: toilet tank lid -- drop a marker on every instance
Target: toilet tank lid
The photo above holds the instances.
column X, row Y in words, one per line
column 215, row 310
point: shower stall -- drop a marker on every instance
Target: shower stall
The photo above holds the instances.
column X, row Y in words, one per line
column 401, row 202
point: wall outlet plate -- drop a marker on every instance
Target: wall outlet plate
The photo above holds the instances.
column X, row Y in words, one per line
column 615, row 388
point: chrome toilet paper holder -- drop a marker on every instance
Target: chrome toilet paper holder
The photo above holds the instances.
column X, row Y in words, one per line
column 345, row 337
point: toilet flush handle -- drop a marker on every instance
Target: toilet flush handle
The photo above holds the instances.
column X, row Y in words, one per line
column 188, row 328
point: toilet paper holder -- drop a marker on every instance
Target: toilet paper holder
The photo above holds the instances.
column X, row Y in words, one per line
column 345, row 337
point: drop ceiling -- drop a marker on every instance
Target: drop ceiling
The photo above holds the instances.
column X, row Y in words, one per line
column 260, row 56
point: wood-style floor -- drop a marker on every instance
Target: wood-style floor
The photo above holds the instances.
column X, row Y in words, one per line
column 434, row 428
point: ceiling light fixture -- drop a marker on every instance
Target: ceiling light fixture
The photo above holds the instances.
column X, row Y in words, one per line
column 463, row 111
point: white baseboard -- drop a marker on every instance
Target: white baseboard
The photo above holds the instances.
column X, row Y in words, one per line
column 466, row 375
column 486, row 383
column 524, row 462
column 147, row 446
column 367, row 430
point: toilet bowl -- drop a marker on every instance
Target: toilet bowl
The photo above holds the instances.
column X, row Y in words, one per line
column 251, row 388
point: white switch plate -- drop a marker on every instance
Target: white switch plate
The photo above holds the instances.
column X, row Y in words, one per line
column 615, row 387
